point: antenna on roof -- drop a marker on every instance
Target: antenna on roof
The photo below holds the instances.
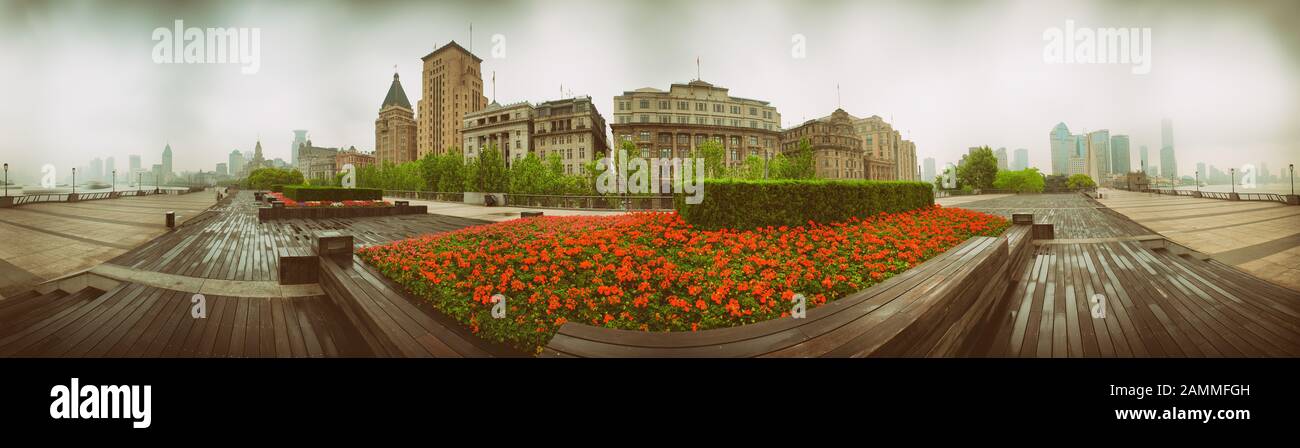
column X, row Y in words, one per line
column 494, row 86
column 697, row 69
column 471, row 39
column 838, row 102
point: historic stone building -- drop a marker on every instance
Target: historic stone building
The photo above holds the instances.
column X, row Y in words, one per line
column 395, row 130
column 453, row 87
column 317, row 163
column 888, row 156
column 572, row 128
column 358, row 159
column 836, row 145
column 672, row 123
column 507, row 128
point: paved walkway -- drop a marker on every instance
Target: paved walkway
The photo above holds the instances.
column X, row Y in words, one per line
column 1262, row 238
column 495, row 214
column 50, row 240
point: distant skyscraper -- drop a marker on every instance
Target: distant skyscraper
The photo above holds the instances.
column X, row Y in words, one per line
column 1099, row 154
column 927, row 170
column 167, row 161
column 1119, row 156
column 222, row 170
column 1168, row 165
column 110, row 165
column 299, row 137
column 1200, row 171
column 96, row 171
column 1063, row 148
column 1146, row 163
column 395, row 130
column 453, row 86
column 1001, row 155
column 236, row 163
column 1021, row 159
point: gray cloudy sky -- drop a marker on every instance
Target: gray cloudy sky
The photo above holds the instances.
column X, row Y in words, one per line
column 79, row 81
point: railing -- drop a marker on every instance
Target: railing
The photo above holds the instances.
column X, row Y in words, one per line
column 1266, row 197
column 1270, row 197
column 580, row 202
column 442, row 196
column 39, row 198
column 63, row 197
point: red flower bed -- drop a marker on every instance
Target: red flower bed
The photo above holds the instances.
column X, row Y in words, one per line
column 654, row 272
column 292, row 203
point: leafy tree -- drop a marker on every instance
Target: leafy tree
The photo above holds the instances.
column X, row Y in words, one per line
column 797, row 164
column 751, row 169
column 1080, row 181
column 714, row 154
column 487, row 172
column 979, row 170
column 264, row 178
column 1028, row 180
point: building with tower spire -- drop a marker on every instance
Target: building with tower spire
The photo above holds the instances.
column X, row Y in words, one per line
column 167, row 163
column 395, row 129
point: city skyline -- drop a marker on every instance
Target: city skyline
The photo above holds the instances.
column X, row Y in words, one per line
column 998, row 101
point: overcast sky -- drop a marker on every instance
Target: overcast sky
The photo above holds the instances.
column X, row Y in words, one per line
column 79, row 80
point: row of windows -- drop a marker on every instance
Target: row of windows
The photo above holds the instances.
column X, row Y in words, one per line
column 718, row 108
column 684, row 139
column 699, row 120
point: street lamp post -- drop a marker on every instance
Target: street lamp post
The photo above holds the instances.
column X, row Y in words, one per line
column 6, row 179
column 74, row 181
column 1291, row 167
column 115, row 181
column 1233, row 172
column 1198, row 181
column 139, row 183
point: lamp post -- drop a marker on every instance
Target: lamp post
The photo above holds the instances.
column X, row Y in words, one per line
column 115, row 181
column 139, row 182
column 74, row 181
column 6, row 179
column 1291, row 167
column 1198, row 181
column 1233, row 172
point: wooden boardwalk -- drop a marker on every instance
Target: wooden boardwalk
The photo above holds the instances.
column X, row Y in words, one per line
column 1157, row 302
column 227, row 242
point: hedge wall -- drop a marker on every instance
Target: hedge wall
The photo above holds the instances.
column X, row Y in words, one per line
column 312, row 193
column 747, row 204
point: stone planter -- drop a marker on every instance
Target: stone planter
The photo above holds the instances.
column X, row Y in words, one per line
column 1196, row 194
column 6, row 201
column 269, row 213
column 1234, row 197
column 1293, row 199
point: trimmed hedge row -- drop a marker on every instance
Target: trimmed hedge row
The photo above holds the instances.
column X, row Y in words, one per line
column 747, row 204
column 302, row 193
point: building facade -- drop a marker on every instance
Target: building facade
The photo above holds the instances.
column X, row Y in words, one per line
column 927, row 170
column 508, row 129
column 1063, row 149
column 299, row 137
column 317, row 163
column 395, row 129
column 1099, row 154
column 236, row 163
column 453, row 87
column 673, row 123
column 1003, row 160
column 353, row 157
column 884, row 149
column 1020, row 160
column 836, row 145
column 167, row 163
column 1168, row 165
column 571, row 128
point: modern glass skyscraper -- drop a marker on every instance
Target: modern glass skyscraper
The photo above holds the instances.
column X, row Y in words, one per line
column 1119, row 157
column 1001, row 155
column 1168, row 165
column 927, row 172
column 1063, row 148
column 1145, row 162
column 1021, row 159
column 299, row 137
column 1099, row 154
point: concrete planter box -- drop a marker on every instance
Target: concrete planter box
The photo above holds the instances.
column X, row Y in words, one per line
column 72, row 197
column 1196, row 194
column 473, row 198
column 269, row 213
column 1234, row 197
column 1293, row 199
column 6, row 201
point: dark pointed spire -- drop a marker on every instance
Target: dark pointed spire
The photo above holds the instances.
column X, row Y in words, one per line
column 396, row 96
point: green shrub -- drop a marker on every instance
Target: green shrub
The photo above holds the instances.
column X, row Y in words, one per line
column 747, row 204
column 302, row 193
column 278, row 188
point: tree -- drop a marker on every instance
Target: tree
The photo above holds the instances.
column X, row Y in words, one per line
column 264, row 178
column 979, row 169
column 712, row 152
column 751, row 169
column 797, row 164
column 1028, row 180
column 1080, row 181
column 487, row 173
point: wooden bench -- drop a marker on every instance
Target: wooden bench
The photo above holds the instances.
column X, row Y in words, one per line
column 934, row 309
column 298, row 265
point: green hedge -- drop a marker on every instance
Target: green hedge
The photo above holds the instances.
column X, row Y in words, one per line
column 313, row 193
column 747, row 204
column 278, row 188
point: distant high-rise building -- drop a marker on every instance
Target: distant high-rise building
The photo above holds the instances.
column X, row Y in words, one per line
column 1001, row 155
column 1063, row 148
column 927, row 169
column 258, row 160
column 236, row 163
column 96, row 171
column 110, row 165
column 1099, row 154
column 453, row 87
column 1021, row 159
column 1143, row 157
column 299, row 137
column 222, row 170
column 135, row 163
column 1119, row 156
column 1200, row 171
column 395, row 131
column 167, row 162
column 1168, row 165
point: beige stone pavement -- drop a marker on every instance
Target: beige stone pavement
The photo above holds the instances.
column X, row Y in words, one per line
column 953, row 201
column 495, row 214
column 1262, row 238
column 51, row 240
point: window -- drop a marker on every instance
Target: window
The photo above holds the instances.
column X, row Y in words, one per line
column 753, row 111
column 665, row 153
column 682, row 105
column 665, row 119
column 582, row 153
column 753, row 141
column 645, row 104
column 735, row 154
column 645, row 118
column 645, row 136
column 717, row 122
column 682, row 119
column 683, row 139
column 735, row 110
column 622, row 105
column 664, row 105
column 701, row 120
column 700, row 107
column 717, row 108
